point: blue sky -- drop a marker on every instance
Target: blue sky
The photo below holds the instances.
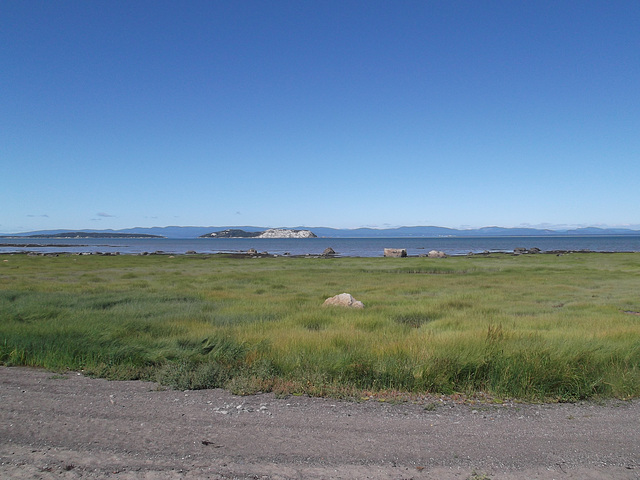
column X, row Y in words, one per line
column 330, row 113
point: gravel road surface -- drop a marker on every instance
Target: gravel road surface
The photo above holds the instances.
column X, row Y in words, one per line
column 69, row 426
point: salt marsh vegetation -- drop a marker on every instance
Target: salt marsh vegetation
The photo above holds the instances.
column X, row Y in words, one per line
column 530, row 327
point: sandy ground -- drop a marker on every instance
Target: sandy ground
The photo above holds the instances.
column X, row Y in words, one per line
column 69, row 426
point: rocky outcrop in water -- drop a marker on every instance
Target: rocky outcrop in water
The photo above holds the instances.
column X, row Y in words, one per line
column 286, row 233
column 270, row 233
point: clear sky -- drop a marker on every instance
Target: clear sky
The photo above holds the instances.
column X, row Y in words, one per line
column 117, row 114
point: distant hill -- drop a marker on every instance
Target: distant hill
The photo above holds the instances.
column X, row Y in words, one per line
column 231, row 233
column 418, row 231
column 602, row 231
column 189, row 231
column 432, row 231
column 86, row 235
column 388, row 232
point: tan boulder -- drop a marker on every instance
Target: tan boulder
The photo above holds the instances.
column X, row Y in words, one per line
column 436, row 254
column 343, row 300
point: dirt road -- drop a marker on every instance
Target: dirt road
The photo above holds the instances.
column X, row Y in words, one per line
column 69, row 426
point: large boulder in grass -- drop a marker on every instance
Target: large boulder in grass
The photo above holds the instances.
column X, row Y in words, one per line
column 343, row 300
column 436, row 254
column 395, row 252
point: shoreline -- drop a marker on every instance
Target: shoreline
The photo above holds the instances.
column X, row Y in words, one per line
column 341, row 247
column 252, row 254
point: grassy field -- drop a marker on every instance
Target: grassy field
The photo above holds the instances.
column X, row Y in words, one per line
column 531, row 327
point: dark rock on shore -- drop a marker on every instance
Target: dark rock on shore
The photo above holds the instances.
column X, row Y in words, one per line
column 523, row 251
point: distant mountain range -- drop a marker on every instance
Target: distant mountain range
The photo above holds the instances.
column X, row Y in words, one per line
column 81, row 234
column 425, row 231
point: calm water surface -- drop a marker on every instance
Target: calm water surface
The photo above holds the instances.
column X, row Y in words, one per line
column 352, row 247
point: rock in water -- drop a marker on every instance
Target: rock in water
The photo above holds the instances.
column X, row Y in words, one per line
column 436, row 254
column 343, row 300
column 395, row 252
column 328, row 251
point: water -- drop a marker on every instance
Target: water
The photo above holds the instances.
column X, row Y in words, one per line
column 349, row 247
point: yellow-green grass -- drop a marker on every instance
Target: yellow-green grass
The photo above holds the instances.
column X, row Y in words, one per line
column 535, row 327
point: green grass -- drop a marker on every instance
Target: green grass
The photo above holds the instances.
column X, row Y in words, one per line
column 537, row 327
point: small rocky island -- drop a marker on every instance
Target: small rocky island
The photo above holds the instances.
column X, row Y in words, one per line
column 270, row 233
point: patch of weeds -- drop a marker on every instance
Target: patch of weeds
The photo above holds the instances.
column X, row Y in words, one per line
column 223, row 349
column 494, row 333
column 478, row 476
column 187, row 375
column 314, row 322
column 432, row 270
column 91, row 278
column 457, row 304
column 415, row 319
column 188, row 344
column 431, row 407
column 246, row 385
column 120, row 371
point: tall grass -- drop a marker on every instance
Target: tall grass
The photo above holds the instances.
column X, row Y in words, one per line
column 537, row 327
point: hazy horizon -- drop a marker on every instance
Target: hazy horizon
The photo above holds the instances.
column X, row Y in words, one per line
column 551, row 228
